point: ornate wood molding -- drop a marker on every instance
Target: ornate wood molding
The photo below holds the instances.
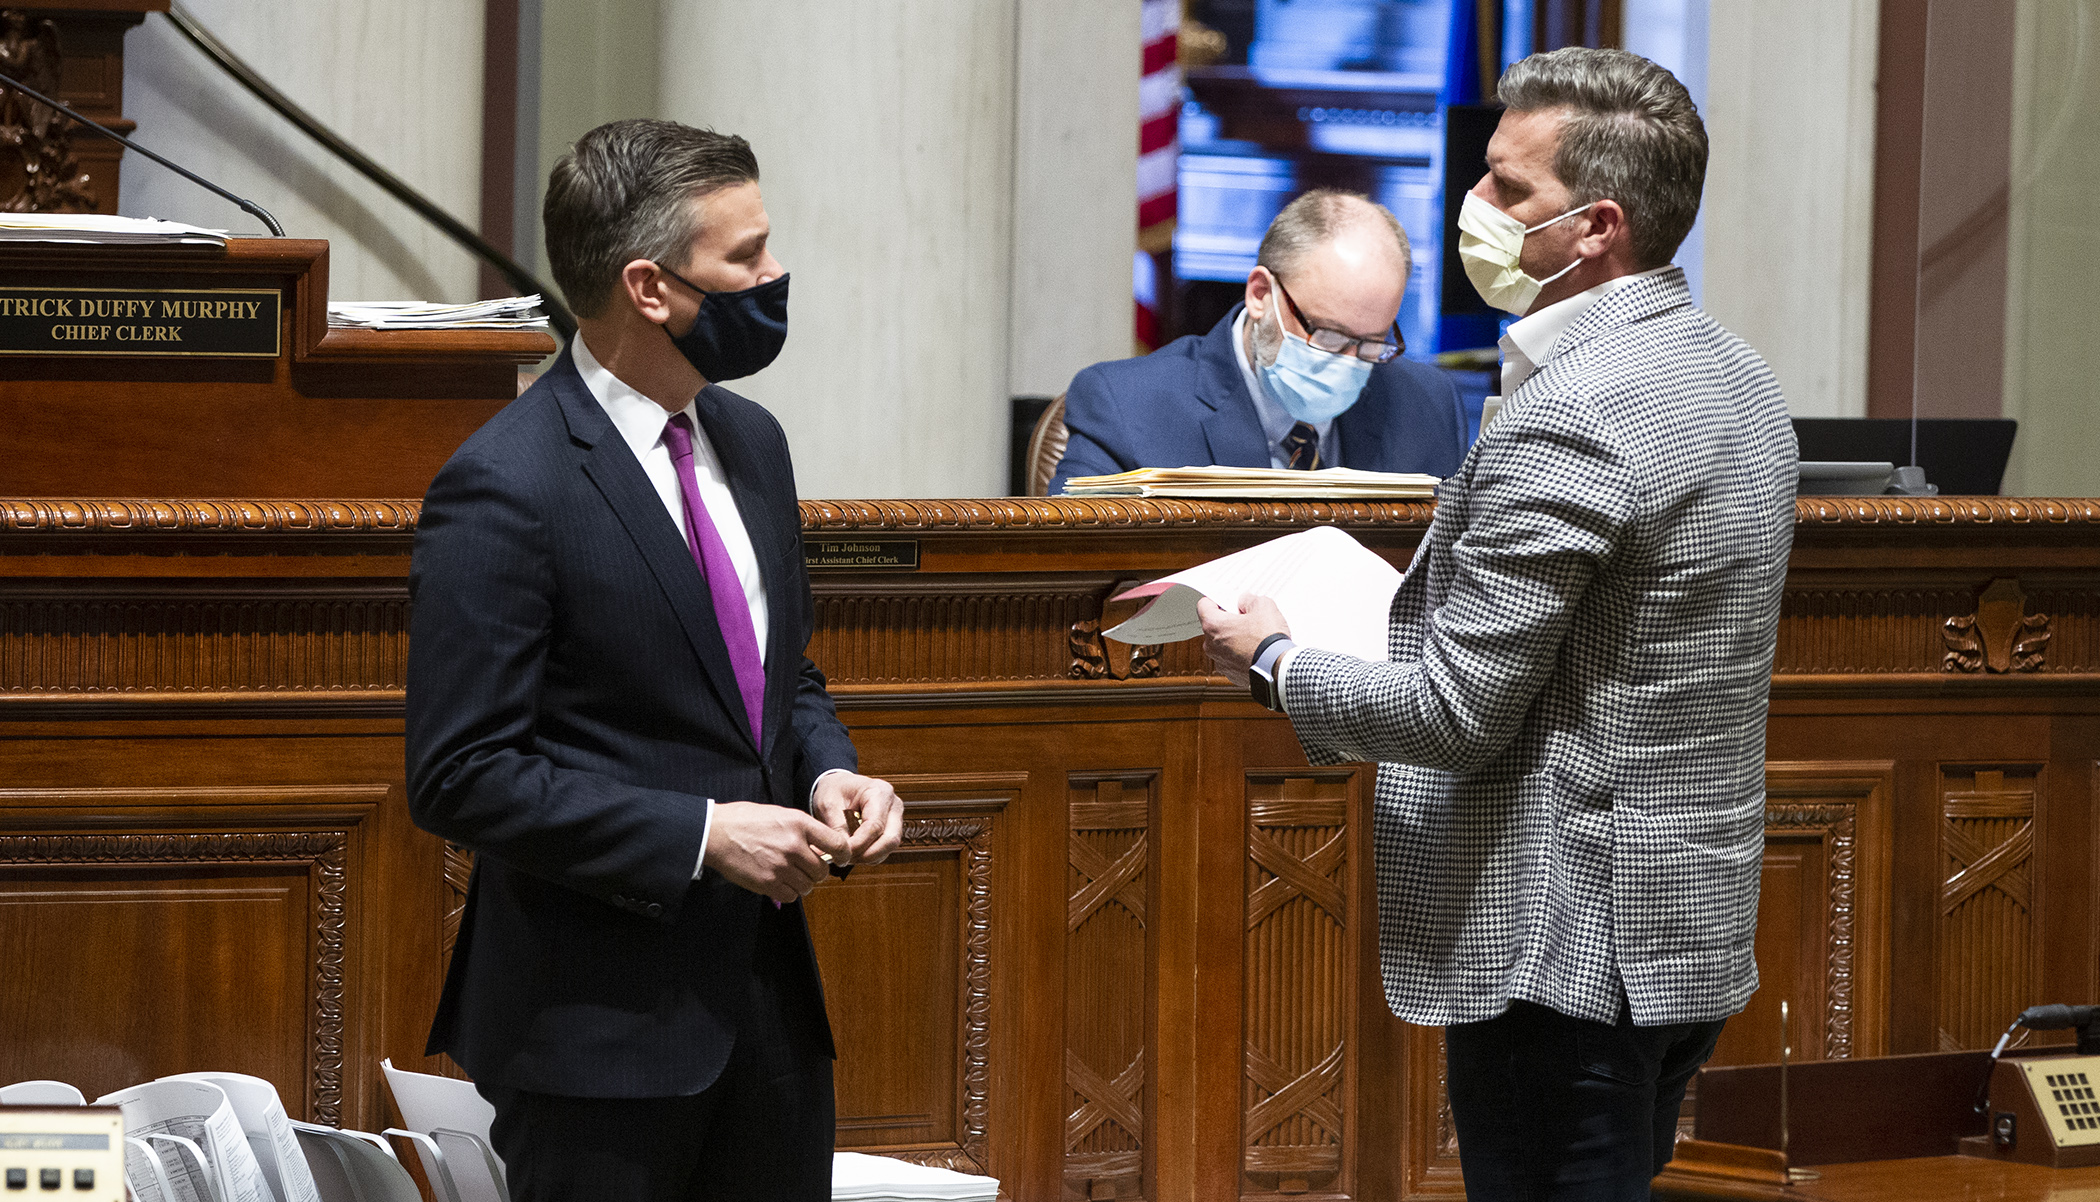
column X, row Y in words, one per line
column 398, row 516
column 1838, row 824
column 40, row 515
column 972, row 836
column 322, row 852
column 1946, row 511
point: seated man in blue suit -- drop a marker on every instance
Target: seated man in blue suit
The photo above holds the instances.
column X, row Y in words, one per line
column 1306, row 373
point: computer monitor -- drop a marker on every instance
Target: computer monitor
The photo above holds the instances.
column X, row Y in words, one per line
column 1964, row 456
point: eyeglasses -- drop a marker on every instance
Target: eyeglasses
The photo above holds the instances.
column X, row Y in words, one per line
column 1335, row 342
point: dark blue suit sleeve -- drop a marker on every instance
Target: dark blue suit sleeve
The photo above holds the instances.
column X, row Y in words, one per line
column 821, row 739
column 1445, row 390
column 482, row 591
column 1094, row 423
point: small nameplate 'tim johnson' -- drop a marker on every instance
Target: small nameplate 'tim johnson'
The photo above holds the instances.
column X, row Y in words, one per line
column 861, row 553
column 163, row 322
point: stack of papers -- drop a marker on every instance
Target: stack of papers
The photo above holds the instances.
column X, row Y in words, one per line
column 860, row 1178
column 1255, row 482
column 98, row 229
column 503, row 313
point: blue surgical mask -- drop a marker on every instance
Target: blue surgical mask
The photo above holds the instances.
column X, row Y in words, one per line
column 1312, row 385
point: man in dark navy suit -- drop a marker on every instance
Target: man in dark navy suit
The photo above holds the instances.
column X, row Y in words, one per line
column 608, row 702
column 1306, row 373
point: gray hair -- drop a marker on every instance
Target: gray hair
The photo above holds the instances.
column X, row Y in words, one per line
column 623, row 192
column 1311, row 220
column 1632, row 134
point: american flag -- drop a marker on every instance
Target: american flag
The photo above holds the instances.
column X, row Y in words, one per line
column 1159, row 151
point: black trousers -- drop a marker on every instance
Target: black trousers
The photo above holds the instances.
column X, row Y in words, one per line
column 762, row 1132
column 1557, row 1109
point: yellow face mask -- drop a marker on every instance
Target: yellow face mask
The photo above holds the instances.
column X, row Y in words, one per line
column 1491, row 245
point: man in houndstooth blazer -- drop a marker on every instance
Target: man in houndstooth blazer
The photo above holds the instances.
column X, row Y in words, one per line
column 1570, row 731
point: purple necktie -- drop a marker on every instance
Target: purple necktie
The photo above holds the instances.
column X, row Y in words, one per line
column 732, row 611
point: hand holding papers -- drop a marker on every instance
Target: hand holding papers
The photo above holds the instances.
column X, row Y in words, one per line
column 1335, row 592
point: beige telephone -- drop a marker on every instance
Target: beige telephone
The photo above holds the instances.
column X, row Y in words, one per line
column 2043, row 1110
column 75, row 1152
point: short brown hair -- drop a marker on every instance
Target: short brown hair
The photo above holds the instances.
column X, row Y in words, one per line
column 1317, row 216
column 622, row 193
column 1632, row 134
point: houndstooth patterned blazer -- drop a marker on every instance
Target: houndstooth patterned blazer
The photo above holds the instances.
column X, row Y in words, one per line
column 1570, row 733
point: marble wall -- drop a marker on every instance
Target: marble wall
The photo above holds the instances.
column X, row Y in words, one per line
column 1788, row 215
column 2052, row 360
column 400, row 79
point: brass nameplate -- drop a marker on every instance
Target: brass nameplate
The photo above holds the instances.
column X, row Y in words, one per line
column 899, row 553
column 216, row 322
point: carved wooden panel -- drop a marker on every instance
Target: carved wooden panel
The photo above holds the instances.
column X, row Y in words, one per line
column 1300, row 974
column 134, row 953
column 894, row 635
column 1107, row 977
column 1989, row 968
column 115, row 638
column 1822, row 914
column 914, row 1079
column 1865, row 629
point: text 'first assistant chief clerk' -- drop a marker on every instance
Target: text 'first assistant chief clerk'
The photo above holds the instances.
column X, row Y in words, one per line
column 608, row 701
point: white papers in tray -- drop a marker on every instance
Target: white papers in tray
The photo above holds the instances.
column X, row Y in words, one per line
column 269, row 1130
column 1258, row 483
column 857, row 1177
column 103, row 229
column 502, row 313
column 198, row 1111
column 1335, row 592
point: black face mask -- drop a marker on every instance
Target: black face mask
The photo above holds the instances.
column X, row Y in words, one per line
column 737, row 333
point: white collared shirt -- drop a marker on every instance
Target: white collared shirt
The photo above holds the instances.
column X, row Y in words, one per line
column 641, row 422
column 1530, row 341
column 1276, row 422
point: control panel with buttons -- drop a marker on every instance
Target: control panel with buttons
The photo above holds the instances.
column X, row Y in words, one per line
column 71, row 1152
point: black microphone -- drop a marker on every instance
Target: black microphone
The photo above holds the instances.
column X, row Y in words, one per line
column 2056, row 1018
column 247, row 206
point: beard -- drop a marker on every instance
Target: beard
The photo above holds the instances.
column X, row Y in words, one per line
column 1266, row 341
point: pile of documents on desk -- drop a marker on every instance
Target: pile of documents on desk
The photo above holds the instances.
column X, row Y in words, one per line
column 101, row 229
column 860, row 1178
column 1256, row 483
column 503, row 313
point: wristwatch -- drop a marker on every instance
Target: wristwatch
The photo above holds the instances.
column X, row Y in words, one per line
column 1261, row 674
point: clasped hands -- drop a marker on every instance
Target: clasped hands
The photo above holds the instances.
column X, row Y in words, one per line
column 781, row 852
column 1231, row 636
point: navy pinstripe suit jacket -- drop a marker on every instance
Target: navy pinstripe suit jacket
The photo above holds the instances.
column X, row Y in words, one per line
column 570, row 704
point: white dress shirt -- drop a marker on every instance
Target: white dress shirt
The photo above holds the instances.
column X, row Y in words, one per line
column 1276, row 422
column 641, row 422
column 1527, row 346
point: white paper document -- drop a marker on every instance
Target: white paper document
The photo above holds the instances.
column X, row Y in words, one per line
column 269, row 1130
column 1335, row 593
column 857, row 1177
column 197, row 1111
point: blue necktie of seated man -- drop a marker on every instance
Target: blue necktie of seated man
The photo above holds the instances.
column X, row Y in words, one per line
column 1302, row 444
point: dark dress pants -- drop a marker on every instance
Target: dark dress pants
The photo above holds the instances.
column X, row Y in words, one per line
column 762, row 1132
column 1556, row 1109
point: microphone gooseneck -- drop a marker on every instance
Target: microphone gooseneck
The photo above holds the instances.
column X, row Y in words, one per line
column 247, row 206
